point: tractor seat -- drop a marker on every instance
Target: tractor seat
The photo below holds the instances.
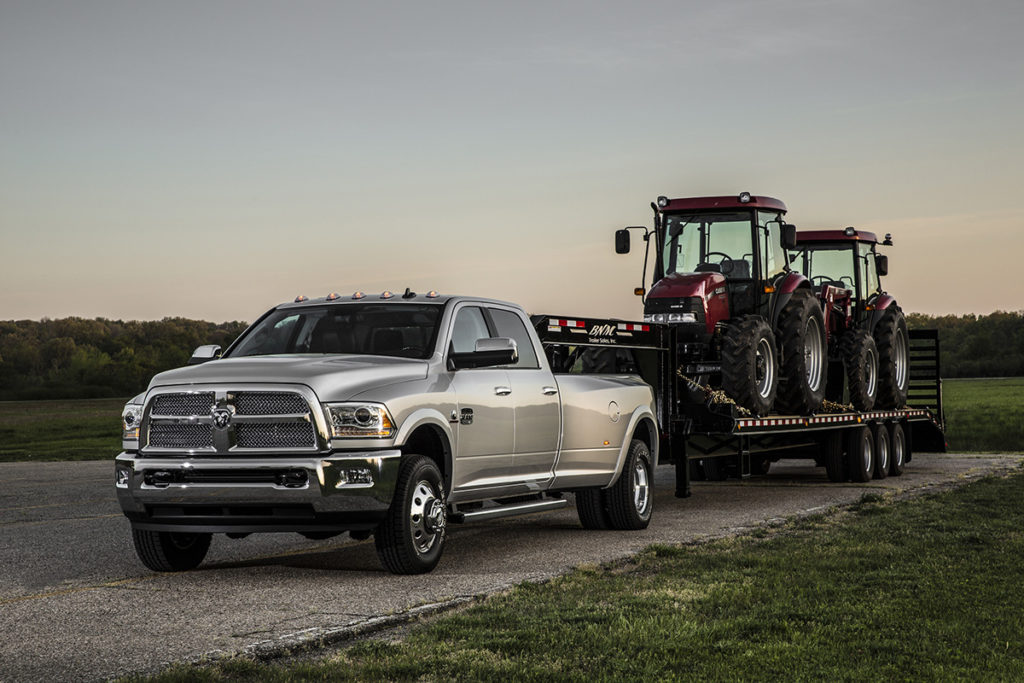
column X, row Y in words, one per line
column 736, row 269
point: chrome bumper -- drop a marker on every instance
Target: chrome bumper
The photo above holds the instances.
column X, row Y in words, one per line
column 286, row 493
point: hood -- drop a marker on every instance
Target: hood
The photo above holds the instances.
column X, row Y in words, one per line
column 680, row 285
column 332, row 378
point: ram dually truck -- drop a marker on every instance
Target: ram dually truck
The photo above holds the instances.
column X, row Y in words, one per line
column 391, row 415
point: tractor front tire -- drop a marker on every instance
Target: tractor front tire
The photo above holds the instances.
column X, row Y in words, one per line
column 860, row 356
column 893, row 359
column 801, row 336
column 749, row 362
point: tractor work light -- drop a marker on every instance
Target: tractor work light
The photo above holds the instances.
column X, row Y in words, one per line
column 663, row 201
column 888, row 239
column 744, row 197
column 850, row 231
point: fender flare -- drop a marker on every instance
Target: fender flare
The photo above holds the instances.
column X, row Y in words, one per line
column 881, row 305
column 639, row 415
column 433, row 418
column 783, row 293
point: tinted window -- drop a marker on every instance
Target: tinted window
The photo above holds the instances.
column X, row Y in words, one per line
column 508, row 324
column 469, row 326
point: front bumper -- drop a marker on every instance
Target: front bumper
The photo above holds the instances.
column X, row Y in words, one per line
column 339, row 492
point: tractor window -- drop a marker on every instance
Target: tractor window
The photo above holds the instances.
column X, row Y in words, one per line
column 770, row 229
column 718, row 243
column 869, row 275
column 830, row 266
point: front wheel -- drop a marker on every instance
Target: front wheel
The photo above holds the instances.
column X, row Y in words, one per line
column 167, row 551
column 410, row 540
column 631, row 499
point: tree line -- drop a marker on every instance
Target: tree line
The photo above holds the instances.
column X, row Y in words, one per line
column 80, row 358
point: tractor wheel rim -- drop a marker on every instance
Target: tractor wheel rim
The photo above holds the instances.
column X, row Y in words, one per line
column 899, row 356
column 427, row 516
column 871, row 372
column 641, row 488
column 764, row 368
column 813, row 353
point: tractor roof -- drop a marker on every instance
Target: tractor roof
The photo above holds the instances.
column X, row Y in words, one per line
column 718, row 203
column 805, row 236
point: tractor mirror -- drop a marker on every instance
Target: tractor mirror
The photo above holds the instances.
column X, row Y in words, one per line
column 788, row 236
column 882, row 264
column 622, row 241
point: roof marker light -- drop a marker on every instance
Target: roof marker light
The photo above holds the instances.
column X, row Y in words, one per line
column 744, row 197
column 386, row 294
column 663, row 201
column 300, row 298
column 332, row 296
column 358, row 295
column 850, row 231
column 432, row 294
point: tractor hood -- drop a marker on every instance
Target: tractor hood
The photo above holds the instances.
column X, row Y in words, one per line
column 681, row 285
column 332, row 378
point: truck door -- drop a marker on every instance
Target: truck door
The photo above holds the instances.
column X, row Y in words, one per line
column 535, row 394
column 485, row 411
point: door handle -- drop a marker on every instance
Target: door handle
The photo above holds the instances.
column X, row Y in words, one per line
column 549, row 391
column 503, row 391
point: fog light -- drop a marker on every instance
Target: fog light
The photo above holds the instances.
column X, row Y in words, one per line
column 356, row 476
column 121, row 478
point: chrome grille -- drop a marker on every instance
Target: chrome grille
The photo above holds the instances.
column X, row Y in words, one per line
column 198, row 403
column 269, row 403
column 283, row 435
column 183, row 436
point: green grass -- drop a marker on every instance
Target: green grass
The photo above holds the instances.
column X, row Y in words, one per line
column 917, row 590
column 60, row 430
column 984, row 414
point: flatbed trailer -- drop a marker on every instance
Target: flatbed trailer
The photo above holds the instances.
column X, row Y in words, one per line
column 704, row 434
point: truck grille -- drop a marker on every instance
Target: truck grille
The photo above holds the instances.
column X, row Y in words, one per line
column 255, row 421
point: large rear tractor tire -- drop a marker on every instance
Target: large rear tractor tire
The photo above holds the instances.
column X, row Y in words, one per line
column 801, row 337
column 893, row 359
column 860, row 453
column 860, row 357
column 631, row 498
column 168, row 551
column 410, row 540
column 749, row 362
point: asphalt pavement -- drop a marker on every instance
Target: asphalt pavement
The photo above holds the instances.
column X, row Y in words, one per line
column 75, row 603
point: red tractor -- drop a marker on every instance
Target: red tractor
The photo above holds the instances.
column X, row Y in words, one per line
column 867, row 330
column 744, row 321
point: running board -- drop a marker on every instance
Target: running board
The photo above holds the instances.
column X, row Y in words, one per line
column 508, row 510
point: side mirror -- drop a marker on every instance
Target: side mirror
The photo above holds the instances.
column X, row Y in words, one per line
column 622, row 241
column 882, row 264
column 204, row 353
column 788, row 236
column 489, row 352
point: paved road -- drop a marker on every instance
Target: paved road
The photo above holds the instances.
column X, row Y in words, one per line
column 76, row 605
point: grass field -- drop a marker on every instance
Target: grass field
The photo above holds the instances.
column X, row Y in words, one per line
column 60, row 430
column 915, row 590
column 981, row 415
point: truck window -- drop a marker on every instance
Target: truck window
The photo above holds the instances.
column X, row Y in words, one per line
column 469, row 326
column 508, row 324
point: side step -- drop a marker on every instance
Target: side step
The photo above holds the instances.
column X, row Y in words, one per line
column 508, row 510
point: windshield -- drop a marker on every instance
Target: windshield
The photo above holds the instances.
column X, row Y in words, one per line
column 718, row 242
column 405, row 330
column 827, row 266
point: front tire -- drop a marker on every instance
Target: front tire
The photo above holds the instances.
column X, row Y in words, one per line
column 893, row 359
column 167, row 551
column 860, row 356
column 801, row 336
column 631, row 498
column 411, row 538
column 749, row 361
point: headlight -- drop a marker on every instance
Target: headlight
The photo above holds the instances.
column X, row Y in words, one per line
column 131, row 416
column 670, row 317
column 359, row 420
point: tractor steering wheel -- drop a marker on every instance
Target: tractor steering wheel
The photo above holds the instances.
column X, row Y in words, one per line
column 725, row 257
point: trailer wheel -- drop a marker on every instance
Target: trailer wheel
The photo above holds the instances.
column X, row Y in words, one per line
column 893, row 359
column 883, row 452
column 898, row 449
column 590, row 506
column 834, row 457
column 760, row 465
column 168, row 551
column 749, row 362
column 860, row 453
column 801, row 337
column 631, row 498
column 410, row 540
column 860, row 358
column 715, row 469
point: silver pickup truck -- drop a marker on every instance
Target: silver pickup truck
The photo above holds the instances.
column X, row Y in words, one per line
column 384, row 415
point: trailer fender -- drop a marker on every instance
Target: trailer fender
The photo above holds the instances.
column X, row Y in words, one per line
column 641, row 419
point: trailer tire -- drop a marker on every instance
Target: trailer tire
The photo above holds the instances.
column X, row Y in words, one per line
column 801, row 337
column 749, row 364
column 630, row 499
column 883, row 451
column 834, row 457
column 860, row 358
column 591, row 509
column 169, row 551
column 860, row 453
column 410, row 540
column 892, row 340
column 898, row 448
column 715, row 469
column 760, row 465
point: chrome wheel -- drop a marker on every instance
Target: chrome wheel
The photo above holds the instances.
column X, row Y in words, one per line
column 871, row 372
column 899, row 357
column 764, row 368
column 898, row 449
column 883, row 454
column 641, row 488
column 427, row 516
column 865, row 455
column 813, row 353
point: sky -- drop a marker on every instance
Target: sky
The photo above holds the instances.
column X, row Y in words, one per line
column 212, row 159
